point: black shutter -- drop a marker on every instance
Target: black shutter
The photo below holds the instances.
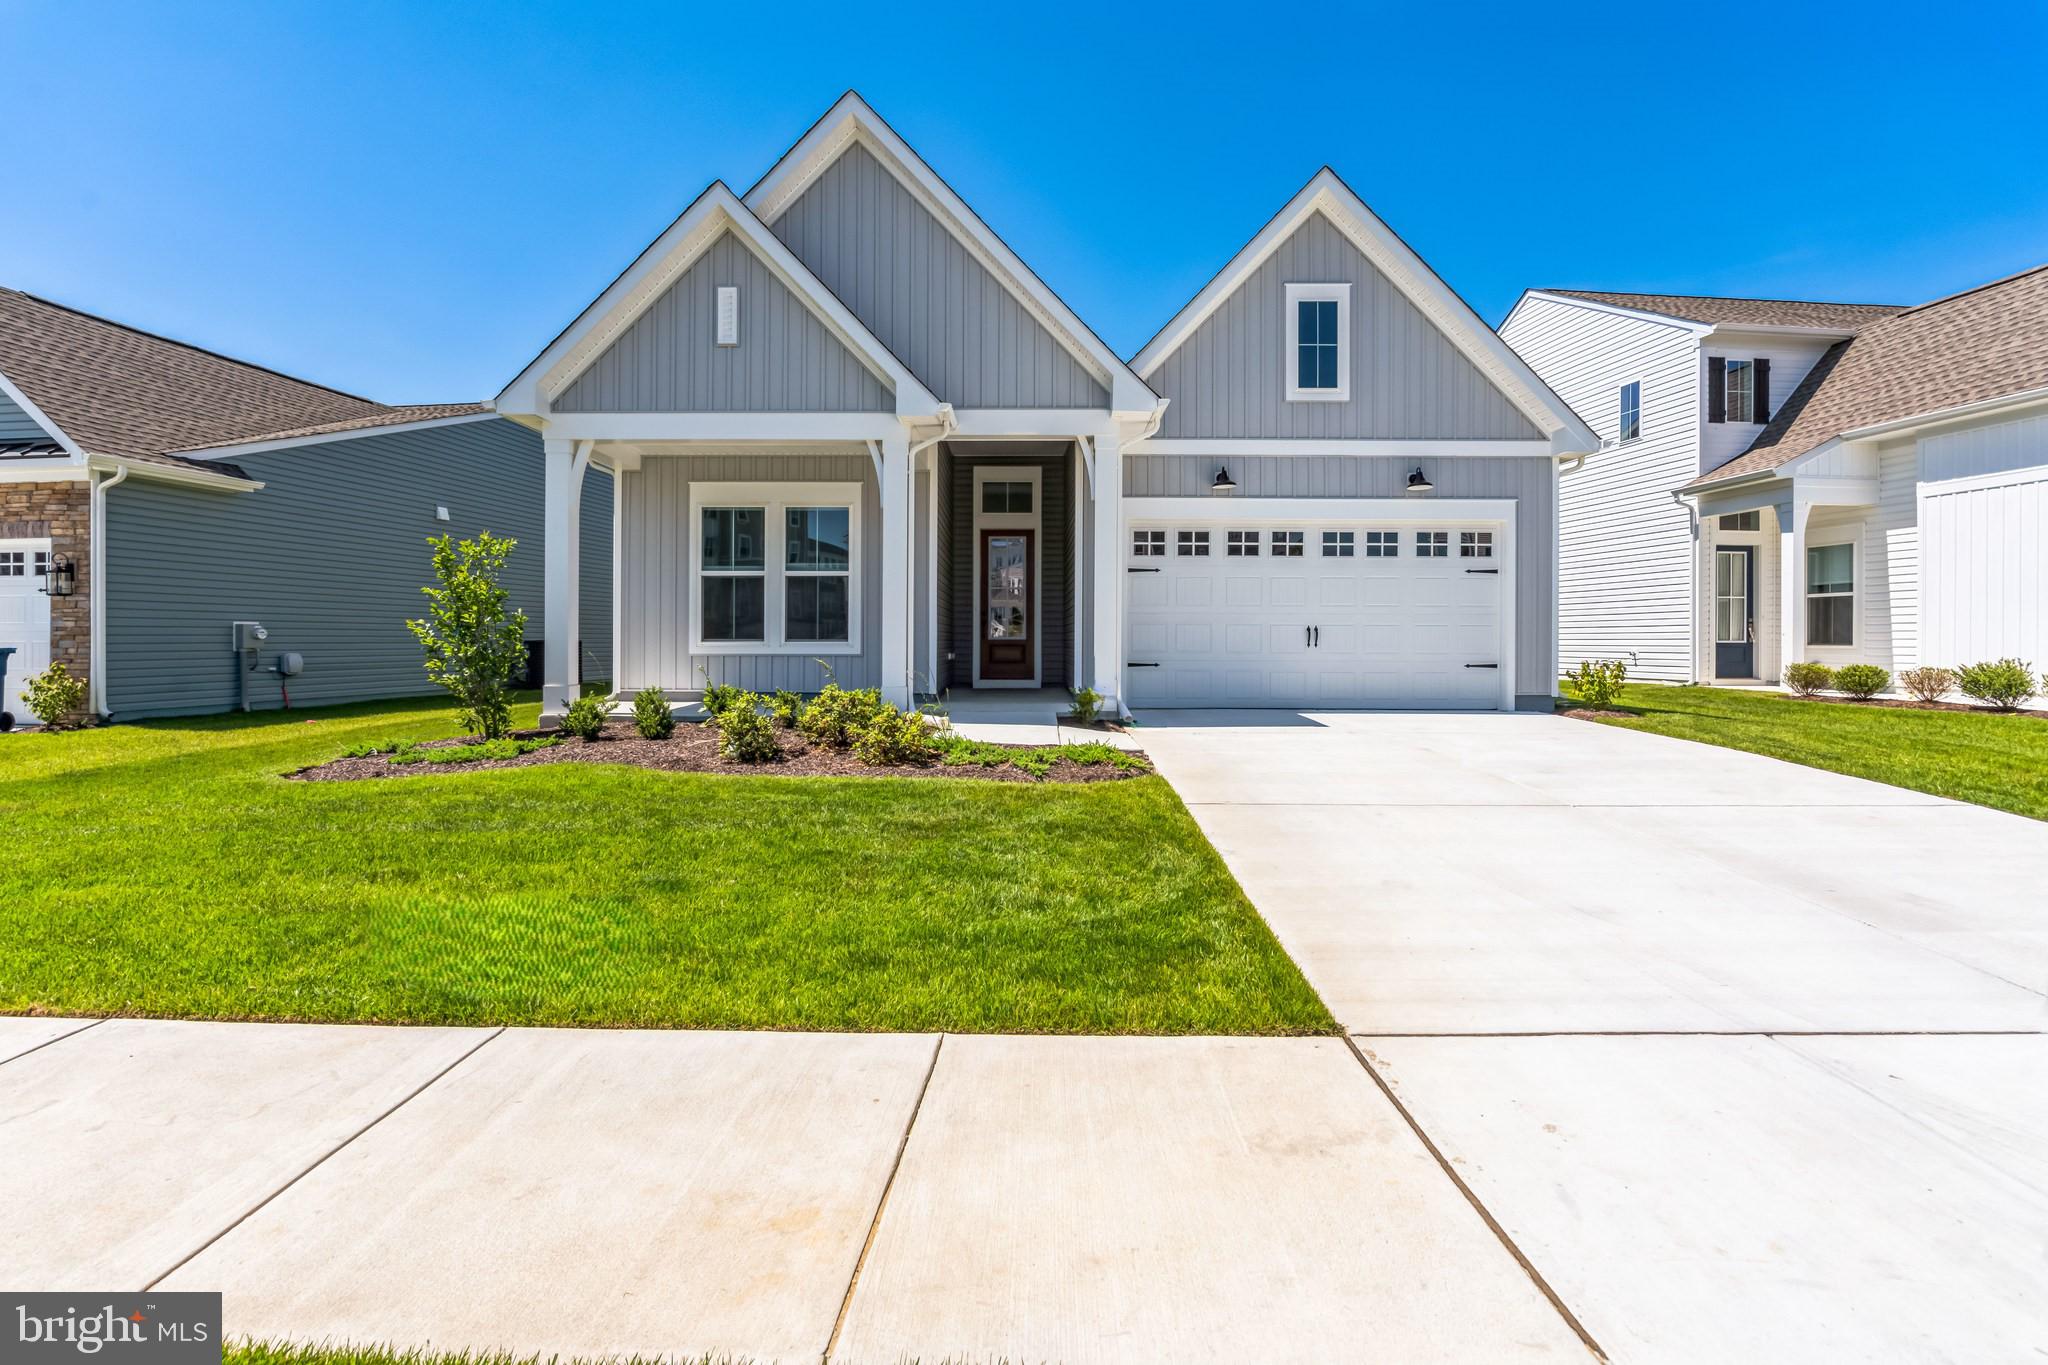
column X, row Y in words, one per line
column 1717, row 389
column 1763, row 389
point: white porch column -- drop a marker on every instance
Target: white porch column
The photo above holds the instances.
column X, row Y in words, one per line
column 559, row 554
column 899, row 540
column 1108, row 599
column 1792, row 515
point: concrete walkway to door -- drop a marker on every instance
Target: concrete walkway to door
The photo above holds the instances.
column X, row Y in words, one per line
column 1747, row 1058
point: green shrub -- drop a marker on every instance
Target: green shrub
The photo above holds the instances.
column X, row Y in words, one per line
column 371, row 748
column 1809, row 679
column 653, row 717
column 891, row 737
column 835, row 715
column 957, row 751
column 744, row 734
column 784, row 708
column 1087, row 705
column 1597, row 682
column 1928, row 684
column 1861, row 681
column 470, row 753
column 585, row 718
column 1092, row 754
column 716, row 697
column 2003, row 683
column 55, row 696
column 473, row 645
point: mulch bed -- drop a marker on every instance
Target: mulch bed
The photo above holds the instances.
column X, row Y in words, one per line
column 694, row 749
column 1592, row 713
column 1909, row 704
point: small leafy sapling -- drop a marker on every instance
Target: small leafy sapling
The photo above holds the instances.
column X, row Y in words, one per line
column 473, row 644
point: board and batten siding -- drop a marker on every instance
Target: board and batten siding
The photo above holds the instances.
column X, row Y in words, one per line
column 17, row 426
column 925, row 295
column 655, row 568
column 1229, row 379
column 1624, row 543
column 1055, row 566
column 330, row 556
column 1983, row 585
column 669, row 360
column 1529, row 480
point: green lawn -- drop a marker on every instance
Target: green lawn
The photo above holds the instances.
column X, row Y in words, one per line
column 166, row 869
column 1993, row 760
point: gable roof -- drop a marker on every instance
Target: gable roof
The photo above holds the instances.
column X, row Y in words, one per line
column 116, row 390
column 1326, row 193
column 850, row 120
column 1725, row 312
column 1983, row 344
column 709, row 217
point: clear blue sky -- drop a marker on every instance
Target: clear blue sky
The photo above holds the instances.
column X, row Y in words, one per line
column 408, row 200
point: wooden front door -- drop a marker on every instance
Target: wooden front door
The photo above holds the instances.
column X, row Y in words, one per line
column 1008, row 634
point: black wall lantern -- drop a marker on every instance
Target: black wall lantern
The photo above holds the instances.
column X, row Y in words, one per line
column 61, row 578
column 1418, row 482
column 1224, row 483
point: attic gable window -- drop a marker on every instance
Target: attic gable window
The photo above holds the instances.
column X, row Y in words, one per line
column 1319, row 343
column 1739, row 390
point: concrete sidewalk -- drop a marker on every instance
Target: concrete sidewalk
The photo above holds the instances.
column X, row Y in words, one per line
column 859, row 1198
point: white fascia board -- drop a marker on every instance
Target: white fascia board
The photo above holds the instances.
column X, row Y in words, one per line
column 710, row 215
column 1403, row 449
column 1326, row 193
column 53, row 469
column 1733, row 330
column 851, row 120
column 1698, row 329
column 40, row 418
column 1056, row 422
column 647, row 427
column 164, row 473
column 1266, row 510
column 325, row 438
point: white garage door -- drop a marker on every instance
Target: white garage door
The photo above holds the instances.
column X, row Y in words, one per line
column 1316, row 614
column 24, row 618
column 1983, row 572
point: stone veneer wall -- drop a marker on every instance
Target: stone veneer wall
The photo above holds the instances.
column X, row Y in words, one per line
column 60, row 511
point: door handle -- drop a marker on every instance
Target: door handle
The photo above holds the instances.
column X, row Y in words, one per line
column 1319, row 636
column 1308, row 637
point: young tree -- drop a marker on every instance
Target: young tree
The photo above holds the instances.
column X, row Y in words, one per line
column 473, row 645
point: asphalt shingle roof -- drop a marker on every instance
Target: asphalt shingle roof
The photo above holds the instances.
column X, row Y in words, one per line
column 1983, row 343
column 116, row 390
column 1719, row 312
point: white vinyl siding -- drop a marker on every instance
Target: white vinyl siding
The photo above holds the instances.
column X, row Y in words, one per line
column 1982, row 578
column 1624, row 577
column 1791, row 359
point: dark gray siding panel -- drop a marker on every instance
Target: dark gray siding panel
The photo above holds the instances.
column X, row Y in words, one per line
column 1530, row 480
column 330, row 555
column 669, row 359
column 17, row 425
column 656, row 558
column 1407, row 380
column 925, row 296
column 1056, row 568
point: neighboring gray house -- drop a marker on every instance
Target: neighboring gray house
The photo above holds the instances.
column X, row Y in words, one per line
column 848, row 423
column 1786, row 480
column 153, row 494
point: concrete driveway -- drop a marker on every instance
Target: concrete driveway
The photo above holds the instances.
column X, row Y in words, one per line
column 1745, row 1058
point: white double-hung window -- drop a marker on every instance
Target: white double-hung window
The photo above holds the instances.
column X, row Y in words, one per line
column 1318, row 343
column 775, row 568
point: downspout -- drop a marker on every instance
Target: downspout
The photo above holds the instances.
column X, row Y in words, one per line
column 96, row 597
column 948, row 424
column 1692, row 597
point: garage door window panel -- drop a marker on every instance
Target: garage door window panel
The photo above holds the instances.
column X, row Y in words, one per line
column 1338, row 545
column 1382, row 544
column 1241, row 545
column 1194, row 544
column 1148, row 544
column 1287, row 545
column 1432, row 544
column 1475, row 545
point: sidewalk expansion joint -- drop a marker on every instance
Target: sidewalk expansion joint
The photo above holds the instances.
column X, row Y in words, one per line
column 1472, row 1198
column 875, row 1223
column 322, row 1159
column 52, row 1042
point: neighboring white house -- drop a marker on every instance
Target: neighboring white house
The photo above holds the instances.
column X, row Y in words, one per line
column 1868, row 483
column 848, row 424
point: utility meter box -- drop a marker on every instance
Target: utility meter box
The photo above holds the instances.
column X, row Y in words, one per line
column 249, row 637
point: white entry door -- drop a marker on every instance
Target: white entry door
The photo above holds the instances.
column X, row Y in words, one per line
column 24, row 618
column 1322, row 614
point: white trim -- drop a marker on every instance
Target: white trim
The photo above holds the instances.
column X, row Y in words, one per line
column 54, row 469
column 1034, row 522
column 40, row 418
column 774, row 499
column 291, row 442
column 1498, row 513
column 1063, row 423
column 851, row 120
column 784, row 427
column 191, row 478
column 1402, row 449
column 1698, row 329
column 1329, row 195
column 710, row 216
column 1974, row 483
column 1339, row 294
column 934, row 455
